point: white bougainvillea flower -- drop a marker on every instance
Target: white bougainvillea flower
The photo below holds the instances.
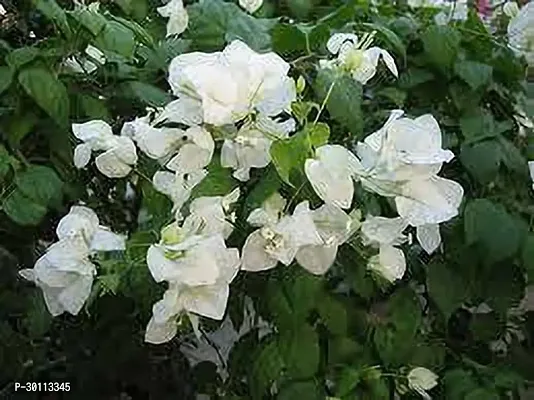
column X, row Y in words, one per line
column 390, row 263
column 425, row 3
column 251, row 5
column 156, row 143
column 177, row 14
column 250, row 148
column 510, row 9
column 269, row 213
column 280, row 242
column 429, row 201
column 82, row 221
column 357, row 58
column 386, row 233
column 89, row 63
column 185, row 110
column 334, row 227
column 188, row 258
column 177, row 186
column 195, row 152
column 429, row 237
column 457, row 10
column 119, row 151
column 521, row 33
column 421, row 379
column 331, row 174
column 65, row 273
column 232, row 83
column 531, row 170
column 213, row 212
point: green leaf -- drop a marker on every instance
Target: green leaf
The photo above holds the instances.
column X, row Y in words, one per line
column 414, row 77
column 301, row 110
column 6, row 77
column 268, row 184
column 92, row 107
column 344, row 102
column 300, row 390
column 267, row 365
column 489, row 225
column 512, row 157
column 214, row 22
column 503, row 287
column 117, row 38
column 474, row 73
column 218, row 182
column 482, row 394
column 5, row 162
column 54, row 13
column 318, row 134
column 390, row 36
column 19, row 126
column 482, row 160
column 22, row 56
column 147, row 93
column 458, row 383
column 333, row 314
column 299, row 348
column 445, row 288
column 478, row 125
column 92, row 21
column 22, row 210
column 40, row 184
column 441, row 44
column 290, row 154
column 38, row 319
column 289, row 40
column 48, row 92
column 138, row 9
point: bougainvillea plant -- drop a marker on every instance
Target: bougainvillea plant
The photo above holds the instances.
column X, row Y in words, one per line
column 321, row 199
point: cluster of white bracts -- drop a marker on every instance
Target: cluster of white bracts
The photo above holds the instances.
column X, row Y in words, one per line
column 521, row 32
column 401, row 160
column 241, row 97
column 194, row 260
column 65, row 272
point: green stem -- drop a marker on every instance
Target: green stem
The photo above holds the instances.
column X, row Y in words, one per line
column 323, row 104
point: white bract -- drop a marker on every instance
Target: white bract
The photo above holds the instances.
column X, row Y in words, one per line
column 88, row 64
column 119, row 152
column 386, row 233
column 177, row 186
column 420, row 380
column 251, row 5
column 177, row 14
column 356, row 57
column 278, row 241
column 521, row 33
column 213, row 213
column 65, row 272
column 250, row 148
column 335, row 227
column 457, row 10
column 231, row 84
column 199, row 269
column 510, row 9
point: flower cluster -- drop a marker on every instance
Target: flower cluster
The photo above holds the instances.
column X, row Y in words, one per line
column 243, row 99
column 521, row 31
column 65, row 272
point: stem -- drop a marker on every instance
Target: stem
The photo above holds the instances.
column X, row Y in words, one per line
column 323, row 104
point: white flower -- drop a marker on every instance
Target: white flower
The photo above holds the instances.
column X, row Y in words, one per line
column 177, row 186
column 119, row 151
column 425, row 3
column 199, row 269
column 334, row 227
column 531, row 170
column 281, row 241
column 357, row 58
column 331, row 174
column 269, row 213
column 421, row 379
column 428, row 237
column 232, row 83
column 185, row 110
column 250, row 148
column 386, row 233
column 510, row 9
column 452, row 11
column 87, row 65
column 195, row 153
column 251, row 5
column 177, row 14
column 65, row 273
column 213, row 212
column 521, row 33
